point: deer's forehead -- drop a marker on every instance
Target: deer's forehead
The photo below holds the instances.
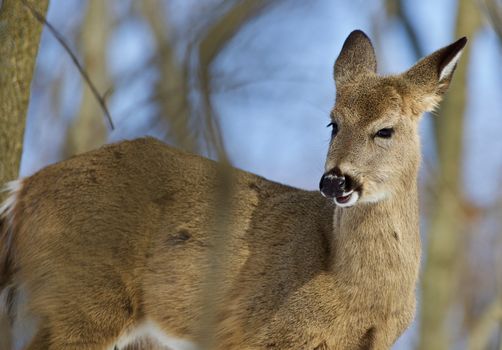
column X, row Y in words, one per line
column 367, row 103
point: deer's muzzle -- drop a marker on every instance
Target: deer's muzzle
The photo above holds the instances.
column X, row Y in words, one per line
column 337, row 186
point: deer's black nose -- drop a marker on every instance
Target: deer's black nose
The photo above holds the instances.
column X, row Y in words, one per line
column 332, row 185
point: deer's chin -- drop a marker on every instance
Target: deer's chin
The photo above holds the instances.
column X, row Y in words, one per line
column 374, row 197
column 347, row 199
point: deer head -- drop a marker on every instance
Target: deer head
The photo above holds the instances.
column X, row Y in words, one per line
column 375, row 150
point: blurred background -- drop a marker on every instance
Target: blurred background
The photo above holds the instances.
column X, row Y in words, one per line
column 251, row 81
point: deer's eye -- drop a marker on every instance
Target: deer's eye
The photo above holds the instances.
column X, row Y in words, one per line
column 334, row 128
column 385, row 133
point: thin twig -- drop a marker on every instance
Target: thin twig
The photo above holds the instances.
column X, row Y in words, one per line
column 41, row 18
column 492, row 10
column 409, row 29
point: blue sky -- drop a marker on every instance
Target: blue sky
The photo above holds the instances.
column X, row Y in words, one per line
column 273, row 84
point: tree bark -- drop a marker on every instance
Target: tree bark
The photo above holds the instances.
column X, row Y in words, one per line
column 20, row 36
column 439, row 276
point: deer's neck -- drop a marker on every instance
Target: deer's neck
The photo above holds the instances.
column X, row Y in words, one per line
column 378, row 244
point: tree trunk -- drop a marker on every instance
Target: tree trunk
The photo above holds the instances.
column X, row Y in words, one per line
column 439, row 275
column 20, row 36
column 88, row 130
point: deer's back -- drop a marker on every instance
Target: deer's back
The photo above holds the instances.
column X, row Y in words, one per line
column 135, row 224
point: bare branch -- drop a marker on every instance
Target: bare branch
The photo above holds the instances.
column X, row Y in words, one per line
column 41, row 18
column 397, row 7
column 173, row 86
column 87, row 129
column 217, row 37
column 492, row 10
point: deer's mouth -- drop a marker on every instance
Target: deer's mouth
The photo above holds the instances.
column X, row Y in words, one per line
column 344, row 190
column 347, row 199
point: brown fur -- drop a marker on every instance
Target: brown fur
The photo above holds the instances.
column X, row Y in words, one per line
column 112, row 237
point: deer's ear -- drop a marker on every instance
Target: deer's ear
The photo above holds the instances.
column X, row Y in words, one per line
column 431, row 76
column 356, row 59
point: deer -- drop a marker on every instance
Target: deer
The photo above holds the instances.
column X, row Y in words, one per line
column 112, row 245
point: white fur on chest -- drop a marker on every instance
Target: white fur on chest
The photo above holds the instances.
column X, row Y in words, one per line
column 151, row 330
